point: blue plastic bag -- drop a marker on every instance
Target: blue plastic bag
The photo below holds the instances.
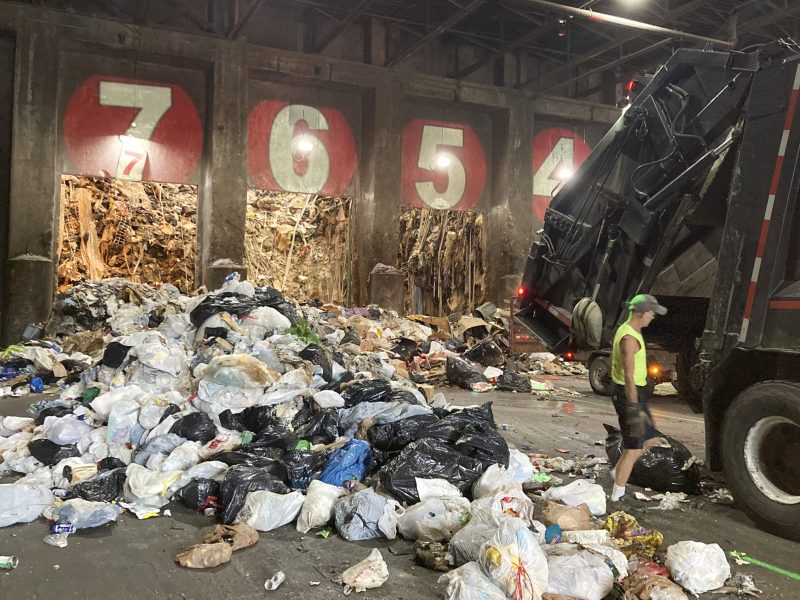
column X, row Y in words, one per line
column 347, row 463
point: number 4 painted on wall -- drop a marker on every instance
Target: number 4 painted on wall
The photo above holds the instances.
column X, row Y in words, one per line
column 153, row 102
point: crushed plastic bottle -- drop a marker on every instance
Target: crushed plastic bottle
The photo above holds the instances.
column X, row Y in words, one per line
column 59, row 540
column 274, row 582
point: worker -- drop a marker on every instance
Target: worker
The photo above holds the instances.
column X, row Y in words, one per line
column 629, row 374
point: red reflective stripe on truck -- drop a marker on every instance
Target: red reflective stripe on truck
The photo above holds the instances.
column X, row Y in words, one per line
column 773, row 190
column 785, row 304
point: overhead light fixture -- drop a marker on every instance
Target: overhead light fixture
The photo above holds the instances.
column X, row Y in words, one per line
column 565, row 174
column 443, row 160
column 304, row 144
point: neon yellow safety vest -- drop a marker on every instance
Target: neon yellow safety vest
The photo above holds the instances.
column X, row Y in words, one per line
column 639, row 359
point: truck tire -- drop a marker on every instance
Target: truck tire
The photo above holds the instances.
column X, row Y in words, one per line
column 760, row 446
column 600, row 376
column 686, row 391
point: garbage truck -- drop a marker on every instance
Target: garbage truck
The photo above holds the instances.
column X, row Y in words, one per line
column 692, row 196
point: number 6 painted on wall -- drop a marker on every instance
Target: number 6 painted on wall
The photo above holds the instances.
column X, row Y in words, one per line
column 434, row 137
column 153, row 102
column 284, row 154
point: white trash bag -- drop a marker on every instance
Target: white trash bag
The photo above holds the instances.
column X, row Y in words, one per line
column 266, row 511
column 698, row 567
column 494, row 480
column 469, row 583
column 520, row 466
column 436, row 488
column 465, row 547
column 514, row 561
column 372, row 572
column 495, row 509
column 318, row 507
column 581, row 491
column 435, row 519
column 22, row 503
column 578, row 573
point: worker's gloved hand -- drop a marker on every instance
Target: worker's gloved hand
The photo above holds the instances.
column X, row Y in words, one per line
column 636, row 420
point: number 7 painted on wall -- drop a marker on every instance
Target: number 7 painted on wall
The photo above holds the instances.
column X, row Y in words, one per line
column 153, row 103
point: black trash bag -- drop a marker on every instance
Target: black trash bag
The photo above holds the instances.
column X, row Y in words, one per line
column 172, row 409
column 463, row 374
column 234, row 304
column 237, row 458
column 351, row 337
column 53, row 411
column 659, row 468
column 196, row 427
column 109, row 463
column 401, row 395
column 378, row 458
column 484, row 443
column 318, row 356
column 115, row 354
column 406, row 348
column 301, row 466
column 103, row 487
column 322, row 428
column 279, row 438
column 252, row 418
column 451, row 426
column 303, row 416
column 216, row 333
column 397, row 435
column 49, row 453
column 428, row 459
column 239, row 481
column 200, row 494
column 336, row 383
column 486, row 353
column 267, row 296
column 514, row 382
column 373, row 390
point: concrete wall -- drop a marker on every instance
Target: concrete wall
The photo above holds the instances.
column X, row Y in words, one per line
column 225, row 115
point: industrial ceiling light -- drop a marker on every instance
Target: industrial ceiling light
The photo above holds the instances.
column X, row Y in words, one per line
column 565, row 173
column 443, row 160
column 304, row 144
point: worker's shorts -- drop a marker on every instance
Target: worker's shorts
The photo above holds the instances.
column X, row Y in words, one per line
column 630, row 442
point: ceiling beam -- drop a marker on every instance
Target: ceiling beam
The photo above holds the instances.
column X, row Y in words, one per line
column 628, row 23
column 348, row 20
column 609, row 46
column 628, row 56
column 433, row 33
column 245, row 19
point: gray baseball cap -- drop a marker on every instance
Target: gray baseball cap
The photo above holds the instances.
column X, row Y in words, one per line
column 645, row 303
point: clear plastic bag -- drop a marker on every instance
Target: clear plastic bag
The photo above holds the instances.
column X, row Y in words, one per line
column 470, row 583
column 434, row 520
column 513, row 560
column 581, row 491
column 266, row 511
column 317, row 510
column 22, row 503
column 698, row 567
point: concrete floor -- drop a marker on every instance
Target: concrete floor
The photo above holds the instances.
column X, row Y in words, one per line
column 135, row 559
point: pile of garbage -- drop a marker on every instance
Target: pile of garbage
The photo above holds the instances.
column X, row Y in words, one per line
column 418, row 351
column 260, row 413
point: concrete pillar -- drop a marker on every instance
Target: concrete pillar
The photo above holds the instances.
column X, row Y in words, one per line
column 376, row 42
column 376, row 213
column 223, row 193
column 510, row 223
column 34, row 179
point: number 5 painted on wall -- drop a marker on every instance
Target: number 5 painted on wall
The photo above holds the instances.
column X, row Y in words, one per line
column 434, row 137
column 153, row 102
